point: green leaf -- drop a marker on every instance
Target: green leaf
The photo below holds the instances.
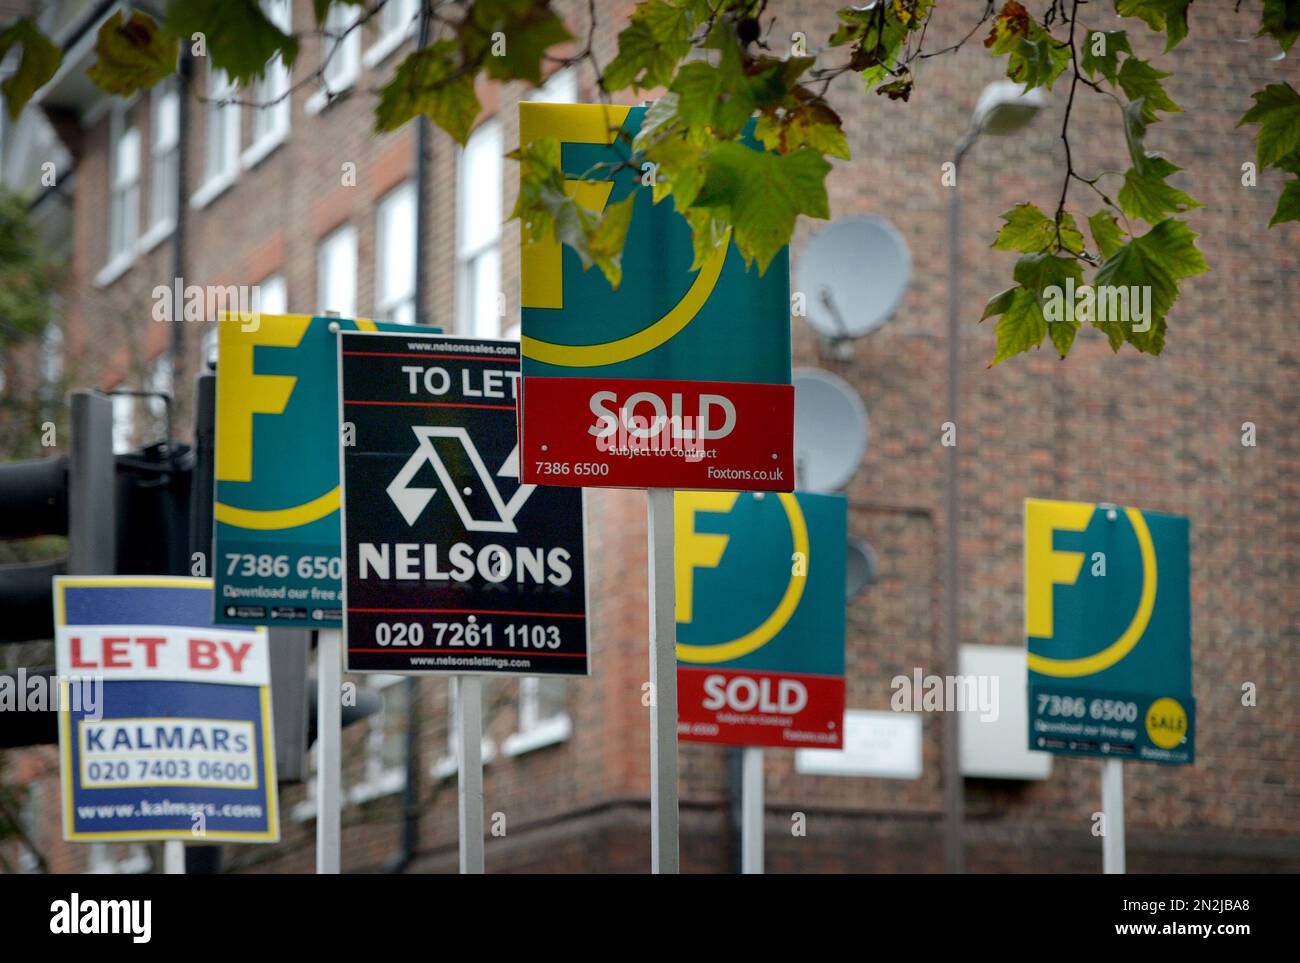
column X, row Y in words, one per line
column 1108, row 45
column 39, row 61
column 1163, row 16
column 716, row 97
column 1034, row 57
column 605, row 242
column 1106, row 233
column 1281, row 21
column 813, row 124
column 1138, row 79
column 1021, row 327
column 763, row 193
column 1148, row 197
column 241, row 41
column 431, row 82
column 1030, row 231
column 528, row 28
column 1288, row 205
column 1023, row 324
column 1155, row 262
column 1277, row 111
column 679, row 170
column 651, row 46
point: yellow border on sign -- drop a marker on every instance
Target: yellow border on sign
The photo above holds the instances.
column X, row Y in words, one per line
column 272, row 833
column 542, row 273
column 295, row 516
column 776, row 621
column 1088, row 665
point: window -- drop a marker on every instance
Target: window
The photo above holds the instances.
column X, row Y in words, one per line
column 123, row 423
column 340, row 56
column 542, row 719
column 478, row 245
column 158, row 380
column 336, row 273
column 395, row 21
column 385, row 769
column 221, row 162
column 450, row 764
column 560, row 88
column 395, row 256
column 164, row 161
column 124, row 190
column 271, row 295
column 271, row 118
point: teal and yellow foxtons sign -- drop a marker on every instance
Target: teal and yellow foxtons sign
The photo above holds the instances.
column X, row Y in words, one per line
column 678, row 378
column 276, row 507
column 1108, row 627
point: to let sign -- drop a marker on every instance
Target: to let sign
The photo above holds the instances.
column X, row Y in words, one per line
column 451, row 564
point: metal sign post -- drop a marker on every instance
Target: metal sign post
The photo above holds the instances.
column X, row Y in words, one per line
column 751, row 809
column 329, row 748
column 469, row 752
column 1112, row 805
column 664, row 854
column 174, row 858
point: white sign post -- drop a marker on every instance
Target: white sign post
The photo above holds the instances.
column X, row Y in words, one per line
column 174, row 858
column 751, row 811
column 329, row 748
column 664, row 851
column 469, row 757
column 1112, row 806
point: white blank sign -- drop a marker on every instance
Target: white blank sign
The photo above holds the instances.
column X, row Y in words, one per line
column 886, row 745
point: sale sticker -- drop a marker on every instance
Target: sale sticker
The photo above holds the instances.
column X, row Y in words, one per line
column 164, row 718
column 680, row 378
column 760, row 618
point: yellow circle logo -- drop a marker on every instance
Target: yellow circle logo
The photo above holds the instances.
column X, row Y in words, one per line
column 1167, row 723
column 775, row 622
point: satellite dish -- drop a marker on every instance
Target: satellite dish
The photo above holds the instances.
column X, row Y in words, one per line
column 860, row 569
column 830, row 430
column 853, row 274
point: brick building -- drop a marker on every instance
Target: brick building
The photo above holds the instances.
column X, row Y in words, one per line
column 304, row 201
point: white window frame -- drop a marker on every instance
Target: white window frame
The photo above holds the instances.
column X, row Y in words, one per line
column 398, row 306
column 379, row 780
column 219, row 172
column 340, row 57
column 533, row 730
column 397, row 21
column 272, row 86
column 123, row 422
column 449, row 764
column 345, row 233
column 123, row 199
column 164, row 163
column 469, row 252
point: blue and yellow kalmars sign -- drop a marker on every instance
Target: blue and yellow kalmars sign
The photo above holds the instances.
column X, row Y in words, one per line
column 1108, row 627
column 276, row 527
column 760, row 618
column 680, row 378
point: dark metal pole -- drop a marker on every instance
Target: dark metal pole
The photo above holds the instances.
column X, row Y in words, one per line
column 954, row 802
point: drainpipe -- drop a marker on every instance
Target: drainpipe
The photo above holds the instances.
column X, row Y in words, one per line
column 410, row 838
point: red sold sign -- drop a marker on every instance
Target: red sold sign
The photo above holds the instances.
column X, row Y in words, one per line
column 685, row 434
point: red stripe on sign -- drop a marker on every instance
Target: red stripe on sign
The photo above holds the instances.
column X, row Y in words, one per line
column 428, row 404
column 545, row 615
column 626, row 433
column 737, row 707
column 426, row 354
